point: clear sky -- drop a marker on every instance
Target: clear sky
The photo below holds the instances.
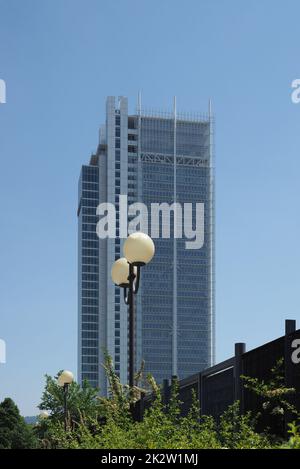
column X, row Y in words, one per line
column 60, row 59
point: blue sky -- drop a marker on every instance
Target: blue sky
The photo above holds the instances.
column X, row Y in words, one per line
column 60, row 59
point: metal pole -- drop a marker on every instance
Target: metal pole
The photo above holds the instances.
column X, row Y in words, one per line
column 65, row 406
column 131, row 325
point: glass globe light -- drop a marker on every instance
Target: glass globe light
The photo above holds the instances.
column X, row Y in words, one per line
column 120, row 272
column 66, row 377
column 139, row 248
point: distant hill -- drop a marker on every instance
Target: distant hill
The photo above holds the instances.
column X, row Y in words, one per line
column 31, row 420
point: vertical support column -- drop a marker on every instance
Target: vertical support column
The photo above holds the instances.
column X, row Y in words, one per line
column 239, row 349
column 290, row 328
column 174, row 328
column 139, row 198
column 109, row 313
column 212, row 357
column 123, row 108
column 174, row 381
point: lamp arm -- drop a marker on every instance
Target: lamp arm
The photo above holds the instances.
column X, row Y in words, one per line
column 126, row 296
column 136, row 283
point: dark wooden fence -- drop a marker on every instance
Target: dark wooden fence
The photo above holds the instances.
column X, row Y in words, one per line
column 221, row 385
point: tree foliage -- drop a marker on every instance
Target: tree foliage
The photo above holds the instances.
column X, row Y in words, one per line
column 108, row 423
column 14, row 432
column 274, row 396
column 82, row 400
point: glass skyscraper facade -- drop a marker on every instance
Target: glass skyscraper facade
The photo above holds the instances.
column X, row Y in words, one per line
column 152, row 158
column 88, row 276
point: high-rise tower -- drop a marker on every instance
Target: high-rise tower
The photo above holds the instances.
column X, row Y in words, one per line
column 152, row 157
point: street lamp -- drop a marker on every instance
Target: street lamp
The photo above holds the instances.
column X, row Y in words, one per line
column 64, row 380
column 44, row 415
column 138, row 250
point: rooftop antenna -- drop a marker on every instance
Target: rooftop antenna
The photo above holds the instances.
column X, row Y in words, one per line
column 139, row 103
column 209, row 109
column 175, row 107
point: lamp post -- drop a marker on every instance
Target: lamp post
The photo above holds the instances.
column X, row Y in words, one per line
column 64, row 380
column 138, row 250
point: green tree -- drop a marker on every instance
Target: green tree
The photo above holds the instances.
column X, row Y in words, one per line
column 14, row 432
column 82, row 401
column 294, row 440
column 273, row 394
column 237, row 431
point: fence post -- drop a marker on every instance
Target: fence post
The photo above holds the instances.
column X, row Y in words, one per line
column 239, row 349
column 290, row 327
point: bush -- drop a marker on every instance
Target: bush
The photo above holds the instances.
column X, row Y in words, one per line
column 106, row 423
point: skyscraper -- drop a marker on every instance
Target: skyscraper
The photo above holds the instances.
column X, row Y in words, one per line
column 152, row 157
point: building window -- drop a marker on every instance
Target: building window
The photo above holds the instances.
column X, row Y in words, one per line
column 131, row 123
